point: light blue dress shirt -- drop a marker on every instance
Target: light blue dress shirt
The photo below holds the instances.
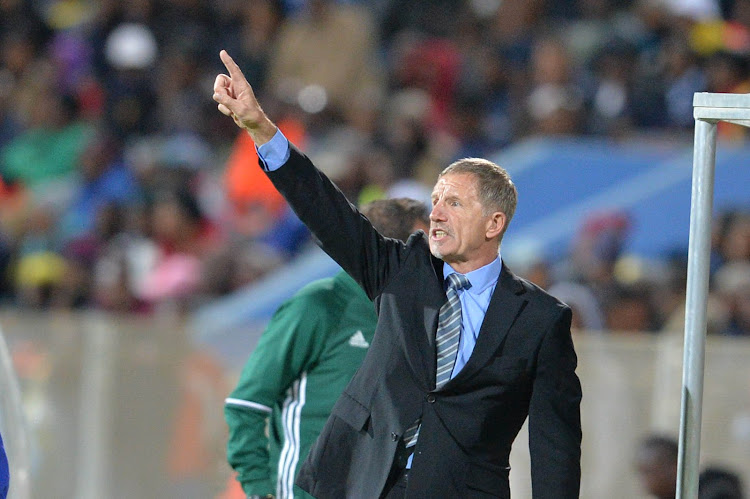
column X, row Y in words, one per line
column 474, row 303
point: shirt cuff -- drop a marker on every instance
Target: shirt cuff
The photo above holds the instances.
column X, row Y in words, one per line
column 274, row 153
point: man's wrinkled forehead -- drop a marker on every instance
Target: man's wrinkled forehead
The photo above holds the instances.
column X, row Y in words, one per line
column 454, row 183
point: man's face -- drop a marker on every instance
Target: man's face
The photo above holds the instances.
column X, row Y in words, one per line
column 460, row 234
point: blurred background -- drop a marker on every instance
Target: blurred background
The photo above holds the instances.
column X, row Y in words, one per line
column 142, row 251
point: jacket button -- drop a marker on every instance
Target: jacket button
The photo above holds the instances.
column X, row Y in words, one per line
column 394, row 436
column 431, row 398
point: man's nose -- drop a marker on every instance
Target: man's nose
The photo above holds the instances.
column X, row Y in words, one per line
column 437, row 213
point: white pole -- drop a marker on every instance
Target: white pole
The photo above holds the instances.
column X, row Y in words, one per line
column 704, row 161
column 97, row 379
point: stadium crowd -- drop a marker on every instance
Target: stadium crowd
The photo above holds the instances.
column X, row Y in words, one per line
column 122, row 188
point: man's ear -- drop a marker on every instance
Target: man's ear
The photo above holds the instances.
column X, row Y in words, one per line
column 496, row 224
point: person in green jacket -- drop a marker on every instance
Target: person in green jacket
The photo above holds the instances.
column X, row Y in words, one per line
column 307, row 355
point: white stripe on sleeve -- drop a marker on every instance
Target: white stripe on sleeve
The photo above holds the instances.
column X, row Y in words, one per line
column 247, row 403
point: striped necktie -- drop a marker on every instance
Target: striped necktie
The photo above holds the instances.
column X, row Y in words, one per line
column 449, row 330
column 446, row 342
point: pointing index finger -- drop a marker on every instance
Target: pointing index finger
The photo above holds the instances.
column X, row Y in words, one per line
column 234, row 70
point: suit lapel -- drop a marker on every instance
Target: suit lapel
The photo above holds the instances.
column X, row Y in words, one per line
column 420, row 348
column 505, row 305
column 432, row 310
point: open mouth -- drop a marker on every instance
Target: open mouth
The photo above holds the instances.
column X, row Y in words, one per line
column 438, row 233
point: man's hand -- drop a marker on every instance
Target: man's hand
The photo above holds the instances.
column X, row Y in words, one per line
column 236, row 99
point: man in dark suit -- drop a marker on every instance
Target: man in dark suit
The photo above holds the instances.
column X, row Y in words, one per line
column 463, row 351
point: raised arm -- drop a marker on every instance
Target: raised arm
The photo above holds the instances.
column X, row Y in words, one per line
column 340, row 229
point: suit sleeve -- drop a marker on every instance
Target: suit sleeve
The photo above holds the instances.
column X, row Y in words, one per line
column 290, row 345
column 555, row 416
column 339, row 228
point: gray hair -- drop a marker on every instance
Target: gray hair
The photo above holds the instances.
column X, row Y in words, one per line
column 496, row 190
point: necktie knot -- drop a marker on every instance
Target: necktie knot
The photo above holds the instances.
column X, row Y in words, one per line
column 458, row 281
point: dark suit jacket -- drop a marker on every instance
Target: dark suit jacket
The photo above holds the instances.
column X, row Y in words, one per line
column 523, row 364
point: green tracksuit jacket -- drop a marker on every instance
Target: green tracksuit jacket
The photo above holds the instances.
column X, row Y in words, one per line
column 307, row 355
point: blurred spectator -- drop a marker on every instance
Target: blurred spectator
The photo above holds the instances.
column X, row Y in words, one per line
column 197, row 23
column 180, row 95
column 537, row 270
column 81, row 254
column 381, row 180
column 611, row 100
column 379, row 174
column 468, row 128
column 408, row 139
column 6, row 252
column 246, row 184
column 124, row 263
column 590, row 26
column 130, row 51
column 238, row 264
column 425, row 17
column 683, row 77
column 40, row 267
column 103, row 179
column 728, row 72
column 656, row 464
column 52, row 145
column 733, row 237
column 716, row 482
column 554, row 104
column 256, row 211
column 595, row 252
column 431, row 65
column 630, row 308
column 22, row 68
column 672, row 302
column 695, row 9
column 733, row 286
column 515, row 24
column 654, row 26
column 326, row 57
column 184, row 239
column 254, row 39
column 17, row 18
column 586, row 312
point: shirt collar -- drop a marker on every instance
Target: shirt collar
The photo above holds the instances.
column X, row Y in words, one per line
column 481, row 278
